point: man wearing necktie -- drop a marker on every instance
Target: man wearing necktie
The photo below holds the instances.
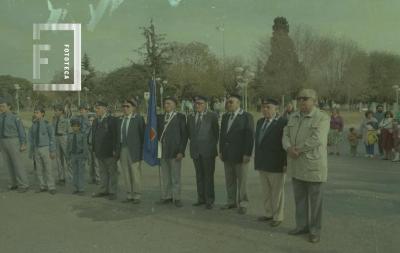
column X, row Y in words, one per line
column 235, row 149
column 130, row 136
column 203, row 131
column 270, row 161
column 173, row 139
column 12, row 144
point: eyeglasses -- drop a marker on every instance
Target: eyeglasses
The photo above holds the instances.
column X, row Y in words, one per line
column 303, row 98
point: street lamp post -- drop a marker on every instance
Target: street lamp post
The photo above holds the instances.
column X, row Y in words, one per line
column 243, row 78
column 162, row 83
column 17, row 88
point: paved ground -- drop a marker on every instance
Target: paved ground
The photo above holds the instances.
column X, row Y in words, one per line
column 361, row 214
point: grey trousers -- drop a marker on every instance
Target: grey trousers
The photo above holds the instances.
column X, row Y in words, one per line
column 64, row 171
column 236, row 183
column 44, row 170
column 205, row 168
column 108, row 175
column 171, row 179
column 308, row 199
column 9, row 148
column 132, row 175
column 93, row 165
column 78, row 172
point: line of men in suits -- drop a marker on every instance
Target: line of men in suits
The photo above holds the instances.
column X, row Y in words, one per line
column 298, row 143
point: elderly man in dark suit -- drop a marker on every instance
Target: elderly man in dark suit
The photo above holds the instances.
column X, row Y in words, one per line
column 173, row 139
column 130, row 136
column 270, row 160
column 235, row 147
column 104, row 143
column 203, row 131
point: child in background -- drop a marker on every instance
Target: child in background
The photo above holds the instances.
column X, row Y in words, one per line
column 372, row 139
column 396, row 140
column 353, row 138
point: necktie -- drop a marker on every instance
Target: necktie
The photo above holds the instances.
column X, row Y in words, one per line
column 58, row 120
column 198, row 122
column 3, row 124
column 74, row 145
column 263, row 128
column 124, row 126
column 167, row 116
column 37, row 133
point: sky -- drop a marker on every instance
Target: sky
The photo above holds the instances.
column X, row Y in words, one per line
column 111, row 34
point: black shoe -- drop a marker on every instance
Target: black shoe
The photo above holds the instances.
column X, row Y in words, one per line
column 112, row 196
column 298, row 231
column 23, row 190
column 314, row 238
column 242, row 210
column 81, row 193
column 13, row 188
column 228, row 206
column 136, row 201
column 100, row 194
column 275, row 223
column 178, row 203
column 264, row 218
column 198, row 203
column 52, row 192
column 164, row 201
column 75, row 192
column 209, row 206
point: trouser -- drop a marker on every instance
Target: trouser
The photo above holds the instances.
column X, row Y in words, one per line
column 205, row 167
column 171, row 179
column 64, row 171
column 353, row 150
column 78, row 172
column 9, row 148
column 308, row 199
column 108, row 175
column 272, row 185
column 236, row 183
column 132, row 174
column 94, row 173
column 380, row 140
column 44, row 169
column 369, row 148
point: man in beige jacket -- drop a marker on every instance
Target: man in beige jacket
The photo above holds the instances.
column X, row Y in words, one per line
column 305, row 139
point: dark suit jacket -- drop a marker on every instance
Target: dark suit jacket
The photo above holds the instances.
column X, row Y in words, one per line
column 203, row 142
column 104, row 137
column 175, row 137
column 240, row 138
column 135, row 137
column 269, row 153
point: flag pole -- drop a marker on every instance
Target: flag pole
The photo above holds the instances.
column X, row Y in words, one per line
column 159, row 164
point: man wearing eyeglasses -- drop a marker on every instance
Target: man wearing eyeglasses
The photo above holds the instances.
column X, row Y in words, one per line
column 305, row 140
column 235, row 149
column 203, row 131
column 130, row 149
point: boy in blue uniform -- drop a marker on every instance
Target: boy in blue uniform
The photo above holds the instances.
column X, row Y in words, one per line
column 42, row 149
column 77, row 154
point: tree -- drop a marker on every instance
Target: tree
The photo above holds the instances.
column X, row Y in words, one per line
column 282, row 73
